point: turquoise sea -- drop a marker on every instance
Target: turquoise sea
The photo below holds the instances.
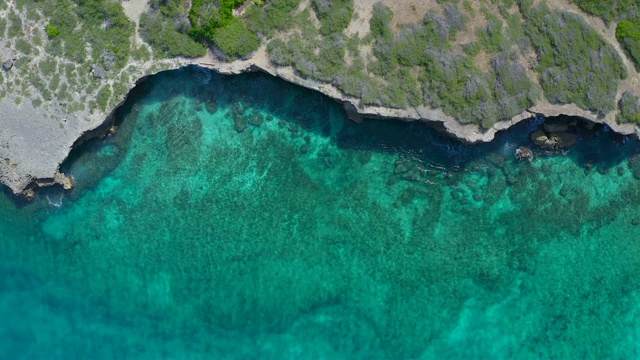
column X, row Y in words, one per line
column 244, row 217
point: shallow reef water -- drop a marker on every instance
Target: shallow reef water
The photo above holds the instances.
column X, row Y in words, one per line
column 244, row 217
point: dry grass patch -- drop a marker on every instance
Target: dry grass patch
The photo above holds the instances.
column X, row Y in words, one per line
column 410, row 11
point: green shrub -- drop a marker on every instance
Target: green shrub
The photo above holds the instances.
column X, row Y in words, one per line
column 274, row 15
column 628, row 34
column 52, row 31
column 279, row 53
column 235, row 39
column 576, row 65
column 23, row 46
column 15, row 27
column 380, row 21
column 103, row 97
column 141, row 53
column 608, row 10
column 491, row 38
column 48, row 67
column 334, row 15
column 165, row 40
column 629, row 109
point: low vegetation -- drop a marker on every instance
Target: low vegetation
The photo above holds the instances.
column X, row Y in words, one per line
column 478, row 74
column 165, row 28
column 268, row 17
column 173, row 30
column 629, row 108
column 572, row 58
column 608, row 10
column 334, row 15
column 52, row 31
column 628, row 34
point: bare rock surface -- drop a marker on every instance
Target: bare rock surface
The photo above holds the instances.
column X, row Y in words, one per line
column 7, row 64
column 33, row 144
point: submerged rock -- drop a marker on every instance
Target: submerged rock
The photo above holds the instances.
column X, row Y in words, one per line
column 239, row 124
column 29, row 194
column 524, row 152
column 634, row 165
column 402, row 166
column 211, row 105
column 564, row 140
column 256, row 118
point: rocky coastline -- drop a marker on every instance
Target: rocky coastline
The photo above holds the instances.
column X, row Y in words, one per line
column 25, row 183
column 39, row 131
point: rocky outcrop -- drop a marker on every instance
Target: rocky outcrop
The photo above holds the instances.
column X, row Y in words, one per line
column 34, row 142
column 7, row 64
column 554, row 141
column 44, row 159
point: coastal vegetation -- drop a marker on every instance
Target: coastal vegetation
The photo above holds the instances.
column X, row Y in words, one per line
column 608, row 10
column 628, row 34
column 478, row 74
column 271, row 16
column 572, row 58
column 629, row 108
column 164, row 28
column 334, row 15
column 173, row 30
column 52, row 31
column 72, row 50
column 478, row 61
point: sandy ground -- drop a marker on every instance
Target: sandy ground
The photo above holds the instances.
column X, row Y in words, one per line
column 134, row 9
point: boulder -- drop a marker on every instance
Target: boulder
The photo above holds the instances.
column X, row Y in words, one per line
column 7, row 64
column 524, row 152
column 554, row 141
column 99, row 72
column 539, row 137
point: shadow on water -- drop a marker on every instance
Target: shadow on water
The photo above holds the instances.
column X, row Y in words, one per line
column 598, row 149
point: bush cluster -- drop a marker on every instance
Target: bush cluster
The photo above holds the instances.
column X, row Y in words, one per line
column 417, row 65
column 334, row 15
column 207, row 16
column 165, row 28
column 608, row 10
column 629, row 108
column 572, row 59
column 628, row 34
column 172, row 31
column 272, row 16
column 101, row 23
column 235, row 39
column 165, row 40
column 52, row 31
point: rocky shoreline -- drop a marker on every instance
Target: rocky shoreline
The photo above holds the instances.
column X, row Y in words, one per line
column 41, row 126
column 25, row 183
